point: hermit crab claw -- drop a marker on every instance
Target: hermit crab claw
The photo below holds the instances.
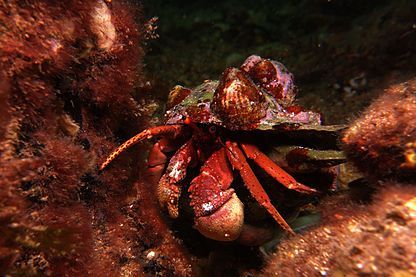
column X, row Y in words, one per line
column 219, row 214
column 225, row 224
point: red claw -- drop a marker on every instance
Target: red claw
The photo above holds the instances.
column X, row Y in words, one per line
column 225, row 224
column 219, row 214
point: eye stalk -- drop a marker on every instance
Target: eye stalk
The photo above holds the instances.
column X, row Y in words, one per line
column 187, row 120
column 238, row 101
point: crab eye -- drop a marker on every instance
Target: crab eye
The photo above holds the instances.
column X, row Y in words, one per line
column 237, row 101
column 212, row 129
column 186, row 120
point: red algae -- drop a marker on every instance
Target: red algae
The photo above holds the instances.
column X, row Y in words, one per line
column 70, row 86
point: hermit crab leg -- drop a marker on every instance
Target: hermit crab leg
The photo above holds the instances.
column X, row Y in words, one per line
column 273, row 169
column 171, row 131
column 219, row 214
column 169, row 189
column 239, row 162
column 158, row 158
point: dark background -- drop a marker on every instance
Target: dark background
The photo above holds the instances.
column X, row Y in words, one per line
column 325, row 44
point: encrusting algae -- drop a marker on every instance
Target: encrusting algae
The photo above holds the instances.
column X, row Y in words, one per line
column 71, row 83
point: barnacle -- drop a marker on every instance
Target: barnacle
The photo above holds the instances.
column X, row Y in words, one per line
column 238, row 101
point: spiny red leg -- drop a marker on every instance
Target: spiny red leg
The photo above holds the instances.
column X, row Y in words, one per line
column 239, row 162
column 169, row 189
column 168, row 130
column 273, row 169
column 219, row 214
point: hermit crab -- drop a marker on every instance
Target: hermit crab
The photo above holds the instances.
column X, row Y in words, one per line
column 210, row 130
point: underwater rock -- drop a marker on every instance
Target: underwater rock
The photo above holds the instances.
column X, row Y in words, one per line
column 382, row 142
column 355, row 239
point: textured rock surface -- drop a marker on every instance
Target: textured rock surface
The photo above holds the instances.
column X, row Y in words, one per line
column 355, row 239
column 382, row 141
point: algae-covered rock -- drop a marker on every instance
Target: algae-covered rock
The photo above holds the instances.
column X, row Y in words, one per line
column 354, row 239
column 382, row 141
